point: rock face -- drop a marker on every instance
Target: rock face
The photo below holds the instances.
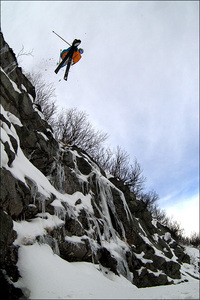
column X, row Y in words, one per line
column 86, row 216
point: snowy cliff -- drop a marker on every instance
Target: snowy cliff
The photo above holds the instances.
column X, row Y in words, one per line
column 57, row 195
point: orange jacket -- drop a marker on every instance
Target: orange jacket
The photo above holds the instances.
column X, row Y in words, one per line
column 76, row 56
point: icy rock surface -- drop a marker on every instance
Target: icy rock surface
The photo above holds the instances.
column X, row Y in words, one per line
column 57, row 195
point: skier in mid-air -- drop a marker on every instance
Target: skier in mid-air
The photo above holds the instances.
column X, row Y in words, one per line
column 69, row 56
column 75, row 58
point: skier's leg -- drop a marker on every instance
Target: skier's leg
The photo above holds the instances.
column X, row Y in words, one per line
column 67, row 68
column 70, row 53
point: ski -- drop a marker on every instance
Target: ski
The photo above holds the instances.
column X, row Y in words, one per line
column 71, row 51
column 68, row 57
column 67, row 68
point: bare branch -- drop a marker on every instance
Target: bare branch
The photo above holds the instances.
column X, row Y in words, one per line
column 22, row 52
column 45, row 96
column 73, row 128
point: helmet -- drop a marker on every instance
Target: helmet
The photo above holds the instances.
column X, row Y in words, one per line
column 80, row 51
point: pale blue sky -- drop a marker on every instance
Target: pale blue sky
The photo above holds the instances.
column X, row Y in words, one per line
column 138, row 79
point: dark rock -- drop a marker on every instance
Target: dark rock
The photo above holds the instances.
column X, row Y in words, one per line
column 9, row 97
column 10, row 153
column 149, row 252
column 14, row 194
column 7, row 236
column 151, row 266
column 25, row 106
column 137, row 208
column 158, row 261
column 73, row 227
column 83, row 219
column 41, row 160
column 8, row 290
column 108, row 261
column 83, row 153
column 174, row 245
column 122, row 215
column 182, row 256
column 83, row 166
column 10, row 263
column 148, row 279
column 71, row 183
column 29, row 211
column 133, row 262
column 27, row 138
column 163, row 243
column 68, row 159
column 50, row 209
column 3, row 119
column 72, row 251
column 94, row 186
column 78, row 202
column 8, row 258
column 58, row 233
column 168, row 253
column 121, row 186
column 172, row 269
column 13, row 142
column 141, row 246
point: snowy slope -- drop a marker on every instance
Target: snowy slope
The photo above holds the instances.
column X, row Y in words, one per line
column 47, row 276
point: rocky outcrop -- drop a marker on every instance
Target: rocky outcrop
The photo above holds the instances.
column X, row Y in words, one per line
column 86, row 216
column 8, row 258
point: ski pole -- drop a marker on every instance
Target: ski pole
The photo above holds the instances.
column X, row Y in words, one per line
column 61, row 38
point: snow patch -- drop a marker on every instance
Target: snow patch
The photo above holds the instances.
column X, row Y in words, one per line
column 47, row 276
column 167, row 237
column 44, row 136
column 27, row 231
column 4, row 157
column 23, row 88
column 75, row 239
column 31, row 97
column 14, row 120
column 141, row 257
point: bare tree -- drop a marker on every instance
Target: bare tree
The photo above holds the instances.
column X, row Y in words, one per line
column 119, row 164
column 150, row 200
column 195, row 239
column 159, row 214
column 175, row 228
column 45, row 96
column 103, row 157
column 73, row 128
column 135, row 180
column 22, row 52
